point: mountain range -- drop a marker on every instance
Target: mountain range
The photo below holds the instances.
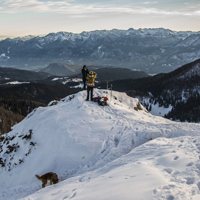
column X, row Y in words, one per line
column 151, row 50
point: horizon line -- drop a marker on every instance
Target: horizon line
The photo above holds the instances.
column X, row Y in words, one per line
column 3, row 37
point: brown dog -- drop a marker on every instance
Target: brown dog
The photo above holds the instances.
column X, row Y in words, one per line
column 52, row 177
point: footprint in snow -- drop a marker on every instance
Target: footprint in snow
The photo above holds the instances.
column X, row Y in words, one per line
column 155, row 191
column 176, row 157
column 198, row 185
column 83, row 179
column 127, row 177
column 73, row 195
column 112, row 128
column 190, row 164
column 72, row 125
column 91, row 121
column 169, row 170
column 190, row 180
column 170, row 197
column 58, row 192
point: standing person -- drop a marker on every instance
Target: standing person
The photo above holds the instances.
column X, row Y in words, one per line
column 90, row 85
column 85, row 72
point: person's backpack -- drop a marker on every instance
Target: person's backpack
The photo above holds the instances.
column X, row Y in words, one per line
column 102, row 101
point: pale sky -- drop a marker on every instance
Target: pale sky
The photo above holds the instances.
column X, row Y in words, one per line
column 40, row 17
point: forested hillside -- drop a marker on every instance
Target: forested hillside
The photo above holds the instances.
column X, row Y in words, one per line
column 179, row 89
column 13, row 111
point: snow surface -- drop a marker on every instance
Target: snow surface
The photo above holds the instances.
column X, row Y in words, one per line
column 15, row 83
column 160, row 111
column 114, row 152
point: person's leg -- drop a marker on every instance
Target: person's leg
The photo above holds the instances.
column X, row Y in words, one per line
column 84, row 82
column 91, row 93
column 88, row 90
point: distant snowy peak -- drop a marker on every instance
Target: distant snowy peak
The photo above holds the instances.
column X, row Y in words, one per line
column 150, row 50
column 193, row 40
column 24, row 39
column 160, row 32
column 4, row 57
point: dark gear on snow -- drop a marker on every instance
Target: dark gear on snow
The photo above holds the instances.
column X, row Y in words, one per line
column 102, row 101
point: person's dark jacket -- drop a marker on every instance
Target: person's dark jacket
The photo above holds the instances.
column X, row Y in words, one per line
column 84, row 74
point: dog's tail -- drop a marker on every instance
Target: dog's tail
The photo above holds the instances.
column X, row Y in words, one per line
column 38, row 177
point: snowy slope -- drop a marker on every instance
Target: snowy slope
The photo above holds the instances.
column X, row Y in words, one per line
column 100, row 152
column 160, row 169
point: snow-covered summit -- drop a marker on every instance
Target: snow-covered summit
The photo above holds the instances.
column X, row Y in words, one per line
column 114, row 33
column 86, row 144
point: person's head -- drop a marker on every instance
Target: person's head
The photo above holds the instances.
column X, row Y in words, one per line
column 84, row 67
column 91, row 73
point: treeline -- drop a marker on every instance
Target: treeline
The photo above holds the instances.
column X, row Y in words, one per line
column 13, row 111
column 181, row 93
column 185, row 104
column 22, row 107
column 8, row 119
column 186, row 111
column 16, row 101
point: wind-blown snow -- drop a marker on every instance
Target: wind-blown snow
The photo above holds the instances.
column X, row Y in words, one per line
column 118, row 151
